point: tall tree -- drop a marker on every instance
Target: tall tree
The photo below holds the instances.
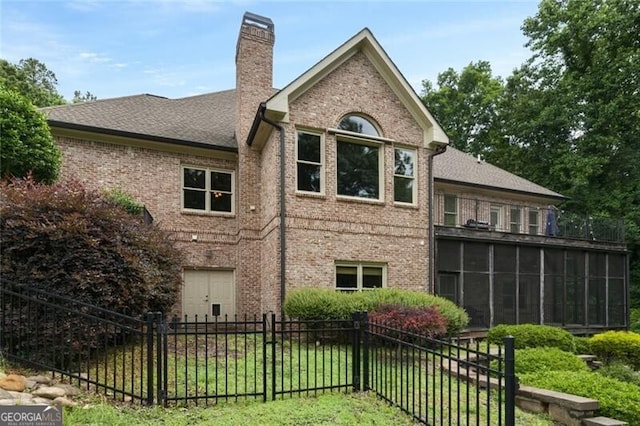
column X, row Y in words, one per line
column 78, row 97
column 27, row 145
column 33, row 80
column 466, row 104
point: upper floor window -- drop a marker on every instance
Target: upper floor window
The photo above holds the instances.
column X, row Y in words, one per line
column 496, row 217
column 358, row 124
column 404, row 187
column 360, row 276
column 310, row 160
column 515, row 219
column 450, row 210
column 534, row 222
column 359, row 167
column 208, row 190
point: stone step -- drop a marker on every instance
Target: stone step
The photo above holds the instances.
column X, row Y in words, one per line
column 603, row 421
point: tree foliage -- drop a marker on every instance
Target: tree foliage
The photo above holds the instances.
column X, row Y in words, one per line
column 64, row 240
column 569, row 117
column 78, row 97
column 33, row 80
column 27, row 145
column 466, row 104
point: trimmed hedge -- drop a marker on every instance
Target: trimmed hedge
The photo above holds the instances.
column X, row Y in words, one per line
column 538, row 360
column 325, row 304
column 617, row 399
column 623, row 346
column 635, row 320
column 582, row 345
column 533, row 336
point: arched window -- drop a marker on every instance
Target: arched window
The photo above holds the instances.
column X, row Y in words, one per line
column 358, row 124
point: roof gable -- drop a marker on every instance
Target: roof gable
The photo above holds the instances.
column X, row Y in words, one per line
column 277, row 107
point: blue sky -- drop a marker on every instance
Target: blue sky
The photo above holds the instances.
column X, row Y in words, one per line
column 177, row 48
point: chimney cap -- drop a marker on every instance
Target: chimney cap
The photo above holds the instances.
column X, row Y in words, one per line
column 261, row 21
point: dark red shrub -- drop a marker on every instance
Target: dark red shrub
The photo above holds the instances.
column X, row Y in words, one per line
column 65, row 240
column 426, row 322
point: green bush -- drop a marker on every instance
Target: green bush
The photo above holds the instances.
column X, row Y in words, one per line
column 124, row 200
column 623, row 346
column 620, row 371
column 635, row 320
column 533, row 336
column 617, row 399
column 315, row 304
column 582, row 346
column 534, row 360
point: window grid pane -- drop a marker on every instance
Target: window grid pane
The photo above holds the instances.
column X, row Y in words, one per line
column 403, row 176
column 207, row 190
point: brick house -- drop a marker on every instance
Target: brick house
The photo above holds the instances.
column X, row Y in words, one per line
column 342, row 179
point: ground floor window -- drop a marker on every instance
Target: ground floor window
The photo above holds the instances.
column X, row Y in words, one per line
column 352, row 276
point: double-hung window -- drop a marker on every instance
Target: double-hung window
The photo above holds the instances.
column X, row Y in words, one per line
column 496, row 217
column 360, row 276
column 515, row 219
column 450, row 210
column 534, row 222
column 208, row 190
column 310, row 159
column 404, row 188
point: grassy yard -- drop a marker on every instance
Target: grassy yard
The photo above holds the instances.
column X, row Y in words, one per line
column 329, row 409
column 197, row 368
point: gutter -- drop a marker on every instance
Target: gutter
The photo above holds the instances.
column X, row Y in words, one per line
column 283, row 259
column 431, row 284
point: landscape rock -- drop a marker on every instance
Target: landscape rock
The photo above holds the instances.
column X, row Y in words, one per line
column 50, row 392
column 13, row 382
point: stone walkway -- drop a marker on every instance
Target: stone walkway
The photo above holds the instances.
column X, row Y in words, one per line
column 35, row 390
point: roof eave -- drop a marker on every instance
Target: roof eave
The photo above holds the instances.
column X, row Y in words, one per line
column 125, row 134
column 558, row 197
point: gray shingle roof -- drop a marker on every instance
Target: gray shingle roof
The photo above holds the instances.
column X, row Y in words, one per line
column 209, row 119
column 457, row 166
column 204, row 119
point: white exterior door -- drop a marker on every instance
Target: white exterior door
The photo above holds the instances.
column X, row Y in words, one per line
column 209, row 293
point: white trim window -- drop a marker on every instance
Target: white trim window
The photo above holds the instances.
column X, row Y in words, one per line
column 534, row 222
column 496, row 217
column 208, row 190
column 359, row 169
column 515, row 219
column 352, row 276
column 310, row 162
column 404, row 176
column 450, row 210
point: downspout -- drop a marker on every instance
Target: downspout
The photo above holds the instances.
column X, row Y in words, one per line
column 283, row 258
column 431, row 238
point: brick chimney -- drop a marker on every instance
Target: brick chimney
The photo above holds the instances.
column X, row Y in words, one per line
column 254, row 70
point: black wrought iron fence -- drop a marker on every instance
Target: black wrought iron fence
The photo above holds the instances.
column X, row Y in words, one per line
column 212, row 360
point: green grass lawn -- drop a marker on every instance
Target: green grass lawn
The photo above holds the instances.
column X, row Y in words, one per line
column 330, row 409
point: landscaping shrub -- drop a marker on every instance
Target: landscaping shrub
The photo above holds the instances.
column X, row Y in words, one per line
column 620, row 371
column 622, row 346
column 532, row 360
column 421, row 321
column 617, row 399
column 582, row 346
column 532, row 336
column 314, row 304
column 65, row 240
column 635, row 320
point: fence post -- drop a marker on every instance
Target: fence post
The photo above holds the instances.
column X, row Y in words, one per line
column 273, row 357
column 364, row 326
column 264, row 357
column 150, row 387
column 160, row 356
column 509, row 381
column 355, row 350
